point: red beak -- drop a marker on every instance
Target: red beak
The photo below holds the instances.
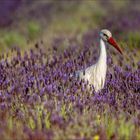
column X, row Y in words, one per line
column 114, row 44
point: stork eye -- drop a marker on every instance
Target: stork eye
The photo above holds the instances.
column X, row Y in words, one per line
column 105, row 35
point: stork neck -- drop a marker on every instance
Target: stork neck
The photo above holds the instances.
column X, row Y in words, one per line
column 103, row 56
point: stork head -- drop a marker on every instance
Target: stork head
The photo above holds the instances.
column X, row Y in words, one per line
column 107, row 37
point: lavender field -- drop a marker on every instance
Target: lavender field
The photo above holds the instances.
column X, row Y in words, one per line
column 41, row 44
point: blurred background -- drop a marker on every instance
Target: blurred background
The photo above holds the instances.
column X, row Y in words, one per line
column 24, row 22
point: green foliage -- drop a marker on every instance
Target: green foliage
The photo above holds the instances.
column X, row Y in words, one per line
column 47, row 120
column 39, row 111
column 133, row 39
column 122, row 128
column 125, row 128
column 31, row 123
column 10, row 123
column 33, row 30
column 110, row 125
column 12, row 38
column 63, row 111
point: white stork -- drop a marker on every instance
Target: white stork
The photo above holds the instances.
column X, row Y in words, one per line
column 96, row 73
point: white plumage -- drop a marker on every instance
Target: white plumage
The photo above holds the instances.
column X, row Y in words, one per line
column 96, row 74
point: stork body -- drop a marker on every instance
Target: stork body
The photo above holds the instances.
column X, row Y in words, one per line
column 96, row 74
